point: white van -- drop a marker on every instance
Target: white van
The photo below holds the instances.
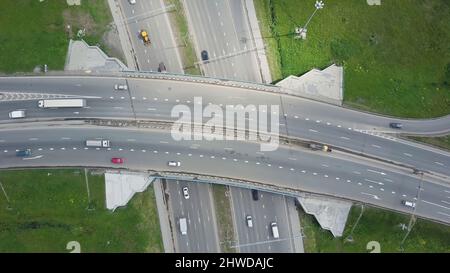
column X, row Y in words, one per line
column 17, row 114
column 183, row 226
column 275, row 230
column 249, row 221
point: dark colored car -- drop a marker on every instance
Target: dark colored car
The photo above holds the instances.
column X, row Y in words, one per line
column 255, row 195
column 395, row 125
column 26, row 152
column 162, row 67
column 205, row 56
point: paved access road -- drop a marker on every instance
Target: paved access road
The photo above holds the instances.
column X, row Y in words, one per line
column 268, row 208
column 222, row 29
column 155, row 99
column 152, row 16
column 198, row 210
column 286, row 168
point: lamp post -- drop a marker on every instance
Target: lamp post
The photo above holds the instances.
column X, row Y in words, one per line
column 301, row 32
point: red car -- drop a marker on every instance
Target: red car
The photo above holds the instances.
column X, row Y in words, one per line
column 117, row 160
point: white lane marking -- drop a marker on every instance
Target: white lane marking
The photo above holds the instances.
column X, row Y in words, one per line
column 292, row 158
column 408, row 155
column 155, row 152
column 314, row 173
column 373, row 195
column 33, row 138
column 328, row 123
column 443, row 213
column 339, row 126
column 76, row 113
column 370, row 186
column 118, row 107
column 131, row 139
column 325, row 175
column 86, row 148
column 74, row 148
column 235, row 160
column 180, row 154
column 403, row 195
column 303, row 171
column 66, row 138
column 388, row 180
column 317, row 121
column 439, row 163
column 376, row 146
column 306, row 118
column 447, row 191
column 372, row 171
column 144, row 151
column 445, row 202
column 381, row 189
column 212, row 157
column 257, row 163
column 349, row 181
column 376, row 182
column 40, row 149
column 346, row 138
column 166, row 153
column 434, row 204
column 31, row 158
column 355, row 172
column 393, row 192
column 151, row 109
column 164, row 142
column 337, row 178
column 359, row 183
column 292, row 169
column 314, row 131
column 51, row 149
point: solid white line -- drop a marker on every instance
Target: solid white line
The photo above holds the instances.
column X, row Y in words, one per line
column 445, row 202
column 443, row 213
column 372, row 181
column 435, row 204
column 382, row 173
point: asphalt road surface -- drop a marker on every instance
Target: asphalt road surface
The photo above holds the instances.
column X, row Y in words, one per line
column 269, row 208
column 222, row 29
column 287, row 168
column 198, row 210
column 152, row 16
column 155, row 99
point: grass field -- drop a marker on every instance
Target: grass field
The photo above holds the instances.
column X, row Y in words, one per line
column 396, row 56
column 49, row 208
column 376, row 225
column 224, row 217
column 35, row 33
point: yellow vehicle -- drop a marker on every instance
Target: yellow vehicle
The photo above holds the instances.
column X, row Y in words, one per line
column 145, row 38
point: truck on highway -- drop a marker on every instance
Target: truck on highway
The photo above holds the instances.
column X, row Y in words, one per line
column 183, row 226
column 62, row 103
column 317, row 147
column 274, row 227
column 99, row 143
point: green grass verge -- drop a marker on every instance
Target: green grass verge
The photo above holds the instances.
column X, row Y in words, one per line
column 35, row 33
column 441, row 142
column 187, row 51
column 224, row 217
column 395, row 56
column 267, row 27
column 48, row 208
column 376, row 225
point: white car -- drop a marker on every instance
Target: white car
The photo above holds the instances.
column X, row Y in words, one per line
column 17, row 114
column 249, row 221
column 174, row 163
column 409, row 204
column 120, row 87
column 186, row 193
column 132, row 2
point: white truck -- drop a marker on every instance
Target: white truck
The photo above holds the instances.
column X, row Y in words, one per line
column 274, row 227
column 99, row 143
column 62, row 103
column 183, row 226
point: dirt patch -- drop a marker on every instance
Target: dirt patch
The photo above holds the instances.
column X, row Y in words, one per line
column 111, row 40
column 77, row 20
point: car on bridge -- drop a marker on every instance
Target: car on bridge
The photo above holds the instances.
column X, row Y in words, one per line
column 144, row 35
column 117, row 160
column 23, row 153
column 120, row 87
column 174, row 163
column 205, row 55
column 395, row 125
column 409, row 204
